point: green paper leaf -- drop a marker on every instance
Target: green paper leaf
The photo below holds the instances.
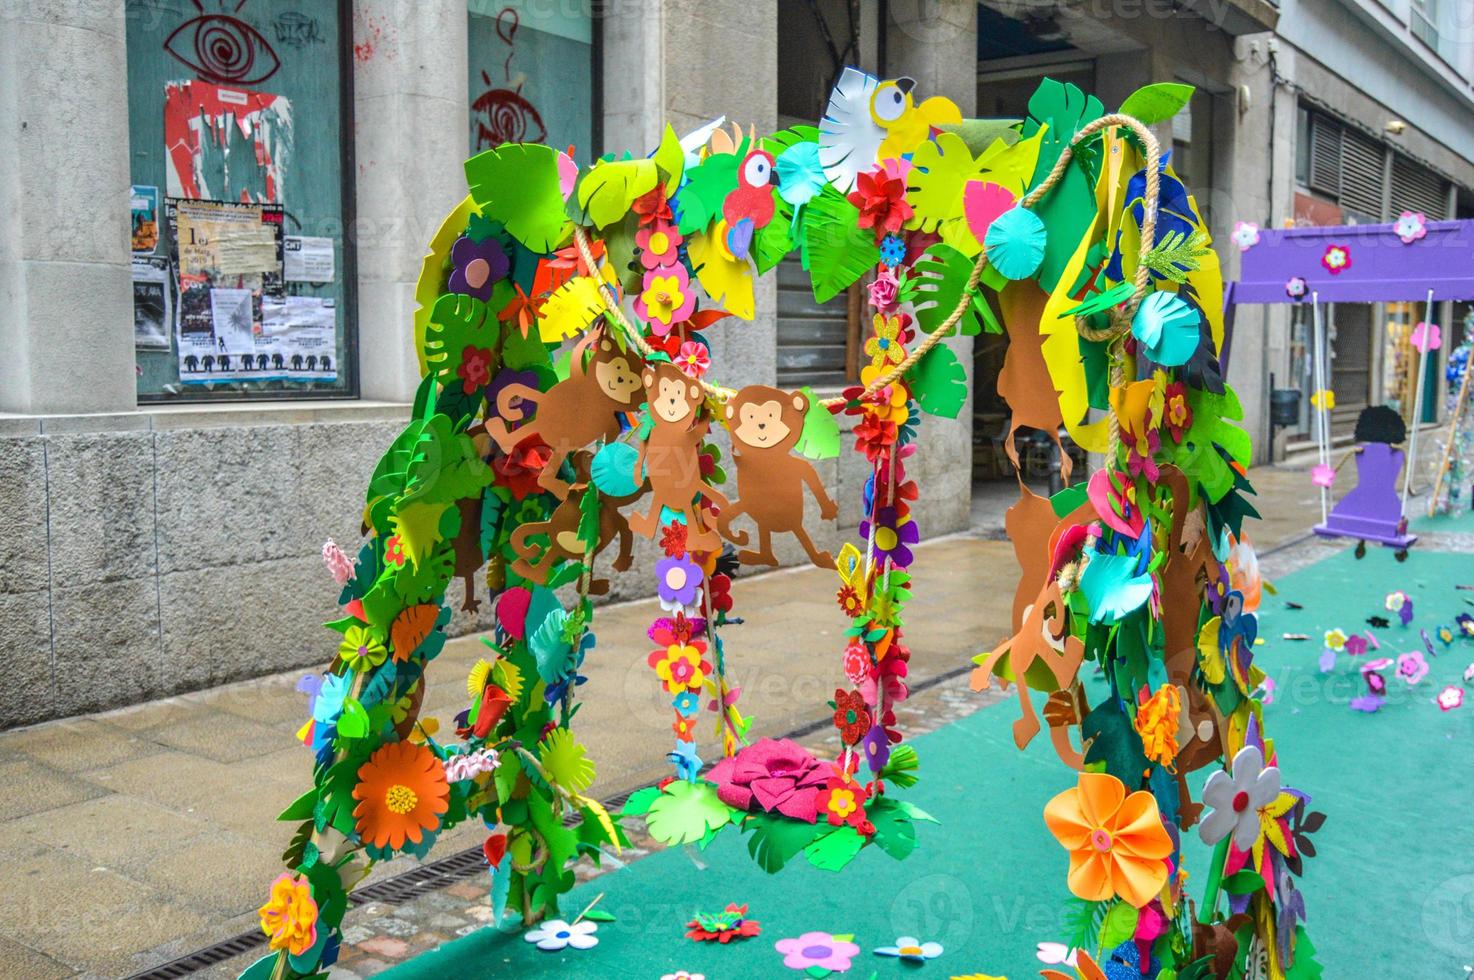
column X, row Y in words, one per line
column 773, row 839
column 902, row 768
column 1062, row 109
column 1157, row 102
column 671, row 160
column 939, row 382
column 1103, row 301
column 1119, row 925
column 354, row 721
column 707, row 186
column 835, row 849
column 940, row 277
column 606, row 192
column 599, row 915
column 895, row 834
column 685, row 813
column 836, row 251
column 1243, row 883
column 301, row 808
column 940, row 169
column 1114, row 741
column 519, row 185
column 820, row 436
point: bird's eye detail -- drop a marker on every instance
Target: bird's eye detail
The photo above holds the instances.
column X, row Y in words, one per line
column 890, row 102
column 755, row 171
column 223, row 49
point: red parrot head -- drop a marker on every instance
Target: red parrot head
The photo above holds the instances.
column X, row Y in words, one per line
column 750, row 206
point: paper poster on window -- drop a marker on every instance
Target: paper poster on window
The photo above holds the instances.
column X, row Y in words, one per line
column 308, row 259
column 226, row 144
column 153, row 309
column 144, row 203
column 300, row 337
column 228, row 258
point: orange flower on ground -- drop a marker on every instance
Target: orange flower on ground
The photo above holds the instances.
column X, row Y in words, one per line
column 401, row 792
column 289, row 916
column 1116, row 842
column 1156, row 722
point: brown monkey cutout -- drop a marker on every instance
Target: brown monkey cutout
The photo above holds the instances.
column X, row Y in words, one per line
column 670, row 456
column 561, row 527
column 576, row 411
column 766, row 424
column 1044, row 639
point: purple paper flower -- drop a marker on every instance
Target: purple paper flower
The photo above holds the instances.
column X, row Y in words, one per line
column 817, row 950
column 877, row 749
column 1402, row 604
column 771, row 775
column 1466, row 624
column 892, row 534
column 1327, row 660
column 478, row 267
column 1370, row 703
column 677, row 581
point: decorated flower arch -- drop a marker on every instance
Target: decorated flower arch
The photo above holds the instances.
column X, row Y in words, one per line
column 568, row 403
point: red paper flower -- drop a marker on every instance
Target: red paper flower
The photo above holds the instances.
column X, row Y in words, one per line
column 874, row 436
column 1179, row 414
column 673, row 540
column 720, row 591
column 842, row 801
column 723, row 927
column 856, row 661
column 518, row 470
column 850, row 601
column 475, row 368
column 851, row 716
column 652, row 206
column 881, row 199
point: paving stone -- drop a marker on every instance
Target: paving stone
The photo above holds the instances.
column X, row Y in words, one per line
column 19, row 960
column 216, row 872
column 219, row 735
column 109, row 831
column 386, row 946
column 75, row 745
column 34, row 788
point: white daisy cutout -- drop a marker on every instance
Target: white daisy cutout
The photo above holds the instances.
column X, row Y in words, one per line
column 1235, row 800
column 555, row 934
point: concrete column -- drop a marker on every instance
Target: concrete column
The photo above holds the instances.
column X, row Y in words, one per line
column 410, row 103
column 935, row 42
column 65, row 286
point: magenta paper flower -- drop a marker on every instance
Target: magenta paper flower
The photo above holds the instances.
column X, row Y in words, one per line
column 1356, row 645
column 1426, row 336
column 1410, row 226
column 772, row 775
column 659, row 245
column 1450, row 698
column 885, row 291
column 892, row 535
column 1371, row 672
column 1322, row 475
column 1337, row 259
column 817, row 949
column 1412, row 667
column 478, row 267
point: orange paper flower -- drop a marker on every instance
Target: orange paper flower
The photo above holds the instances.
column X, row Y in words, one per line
column 401, row 792
column 289, row 916
column 1116, row 842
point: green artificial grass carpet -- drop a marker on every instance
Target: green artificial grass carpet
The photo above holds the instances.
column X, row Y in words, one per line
column 1420, row 522
column 1390, row 894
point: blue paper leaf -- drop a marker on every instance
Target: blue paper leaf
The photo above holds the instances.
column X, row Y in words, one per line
column 1112, row 587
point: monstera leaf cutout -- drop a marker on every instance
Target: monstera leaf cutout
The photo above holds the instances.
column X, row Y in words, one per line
column 836, row 251
column 686, row 812
column 520, row 185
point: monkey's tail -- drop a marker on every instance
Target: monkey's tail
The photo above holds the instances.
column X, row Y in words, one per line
column 504, row 406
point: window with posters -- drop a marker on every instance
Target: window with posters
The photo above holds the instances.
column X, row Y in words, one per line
column 532, row 74
column 243, row 279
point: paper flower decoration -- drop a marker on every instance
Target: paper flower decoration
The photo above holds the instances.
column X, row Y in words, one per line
column 892, row 250
column 1167, row 328
column 339, row 565
column 1412, row 667
column 1296, row 287
column 881, row 200
column 1450, row 698
column 1322, row 475
column 885, row 291
column 1469, row 674
column 1335, row 640
column 800, row 175
column 885, row 347
column 877, row 748
column 819, row 950
column 401, row 792
column 659, row 246
column 842, row 801
column 1400, row 603
column 693, row 359
column 1337, row 259
column 771, row 774
column 667, row 299
column 470, row 765
column 477, row 267
column 1410, row 226
column 289, row 917
column 1425, row 337
column 1445, row 636
column 892, row 535
column 1177, row 414
column 1245, row 235
column 1324, row 399
column 1015, row 243
column 911, row 949
column 1466, row 624
column 677, row 582
column 1235, row 800
column 361, row 649
column 722, row 927
column 1356, row 645
column 851, row 716
column 682, row 974
column 555, row 934
column 1116, row 842
column 680, row 666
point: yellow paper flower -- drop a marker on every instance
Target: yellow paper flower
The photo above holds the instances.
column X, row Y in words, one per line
column 289, row 916
column 1210, row 658
column 1116, row 842
column 1324, row 398
column 891, row 403
column 1335, row 640
column 885, row 348
column 850, row 566
column 362, row 649
column 680, row 667
column 1157, row 720
column 662, row 297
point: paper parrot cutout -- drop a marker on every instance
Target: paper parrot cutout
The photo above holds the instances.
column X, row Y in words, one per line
column 750, row 207
column 869, row 120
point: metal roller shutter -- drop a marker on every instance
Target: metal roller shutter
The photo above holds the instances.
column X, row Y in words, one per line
column 1416, row 188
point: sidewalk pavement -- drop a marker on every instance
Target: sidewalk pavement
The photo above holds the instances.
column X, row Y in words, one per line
column 139, row 835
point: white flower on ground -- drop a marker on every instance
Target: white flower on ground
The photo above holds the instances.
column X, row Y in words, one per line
column 911, row 948
column 555, row 934
column 1235, row 799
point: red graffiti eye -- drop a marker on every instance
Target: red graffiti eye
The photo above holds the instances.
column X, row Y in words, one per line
column 223, row 49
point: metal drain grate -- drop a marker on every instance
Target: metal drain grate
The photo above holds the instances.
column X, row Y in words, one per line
column 203, row 958
column 426, row 878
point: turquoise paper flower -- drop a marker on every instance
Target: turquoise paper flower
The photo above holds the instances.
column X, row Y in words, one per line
column 1167, row 328
column 1015, row 243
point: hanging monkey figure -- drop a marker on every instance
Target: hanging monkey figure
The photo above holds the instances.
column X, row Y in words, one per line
column 670, row 456
column 766, row 424
column 561, row 527
column 573, row 413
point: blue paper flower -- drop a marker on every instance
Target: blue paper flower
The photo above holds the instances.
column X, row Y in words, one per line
column 800, row 174
column 1168, row 328
column 1015, row 243
column 686, row 703
column 892, row 251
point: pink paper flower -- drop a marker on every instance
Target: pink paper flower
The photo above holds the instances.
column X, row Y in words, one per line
column 1450, row 698
column 884, row 291
column 1296, row 287
column 817, row 949
column 1337, row 259
column 1245, row 235
column 1412, row 667
column 1322, row 475
column 1426, row 337
column 771, row 774
column 1410, row 226
column 693, row 359
column 340, row 566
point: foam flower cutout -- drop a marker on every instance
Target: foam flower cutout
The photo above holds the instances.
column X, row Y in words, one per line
column 1450, row 698
column 800, row 174
column 1469, row 674
column 1167, row 327
column 1335, row 640
column 693, row 359
column 851, row 716
column 892, row 251
column 289, row 917
column 889, row 404
column 659, row 246
column 723, row 927
column 1322, row 475
column 667, row 300
column 877, row 748
column 1014, row 243
column 401, row 792
column 339, row 565
column 771, row 774
column 678, row 581
column 1323, row 399
column 1117, row 843
column 680, row 666
column 1337, row 259
column 1371, row 672
column 1356, row 645
column 1445, row 636
column 475, row 368
column 1178, row 415
column 1157, row 720
column 1426, row 336
column 892, row 534
column 842, row 801
column 1400, row 603
column 885, row 347
column 885, row 291
column 912, row 949
column 682, row 974
column 1466, row 624
column 477, row 267
column 470, row 765
column 817, row 950
column 1412, row 667
column 1235, row 800
column 1245, row 235
column 1410, row 226
column 362, row 649
column 881, row 199
column 555, row 934
column 1296, row 287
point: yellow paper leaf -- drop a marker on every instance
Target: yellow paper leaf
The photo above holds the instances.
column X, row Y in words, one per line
column 602, row 815
column 508, row 676
column 726, row 279
column 418, row 527
column 570, row 310
column 939, row 169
